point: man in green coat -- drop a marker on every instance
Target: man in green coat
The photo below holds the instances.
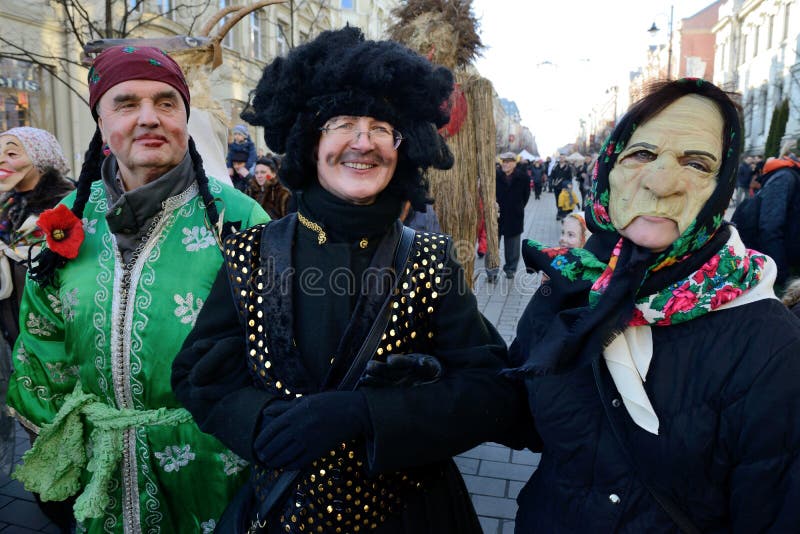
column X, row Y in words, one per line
column 108, row 305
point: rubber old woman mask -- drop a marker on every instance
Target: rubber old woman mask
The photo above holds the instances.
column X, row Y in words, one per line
column 667, row 172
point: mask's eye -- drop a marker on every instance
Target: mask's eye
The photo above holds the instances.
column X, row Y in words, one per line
column 642, row 155
column 698, row 164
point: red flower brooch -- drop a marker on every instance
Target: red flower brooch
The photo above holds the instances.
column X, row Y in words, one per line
column 63, row 230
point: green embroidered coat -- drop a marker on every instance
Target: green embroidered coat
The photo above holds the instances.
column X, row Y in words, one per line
column 118, row 327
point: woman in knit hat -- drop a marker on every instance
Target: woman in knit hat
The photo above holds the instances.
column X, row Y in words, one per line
column 32, row 179
column 352, row 362
column 661, row 370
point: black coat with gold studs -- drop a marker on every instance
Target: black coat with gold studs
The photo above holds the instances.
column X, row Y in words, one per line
column 414, row 431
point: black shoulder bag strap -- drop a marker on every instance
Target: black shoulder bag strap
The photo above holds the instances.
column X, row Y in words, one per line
column 365, row 353
column 677, row 515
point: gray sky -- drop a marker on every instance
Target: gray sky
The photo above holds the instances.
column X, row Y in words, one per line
column 556, row 58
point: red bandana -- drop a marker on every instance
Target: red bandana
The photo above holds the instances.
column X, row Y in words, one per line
column 122, row 63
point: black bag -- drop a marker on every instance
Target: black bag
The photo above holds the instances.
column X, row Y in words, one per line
column 745, row 218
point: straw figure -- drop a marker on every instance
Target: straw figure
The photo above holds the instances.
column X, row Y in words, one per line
column 428, row 27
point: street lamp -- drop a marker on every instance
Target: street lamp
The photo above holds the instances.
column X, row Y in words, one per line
column 655, row 29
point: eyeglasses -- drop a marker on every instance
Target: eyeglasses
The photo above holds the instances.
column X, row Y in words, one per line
column 380, row 135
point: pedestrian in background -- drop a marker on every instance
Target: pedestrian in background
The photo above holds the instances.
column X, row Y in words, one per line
column 561, row 177
column 573, row 231
column 661, row 370
column 266, row 189
column 512, row 191
column 241, row 177
column 32, row 179
column 241, row 144
column 538, row 177
column 744, row 175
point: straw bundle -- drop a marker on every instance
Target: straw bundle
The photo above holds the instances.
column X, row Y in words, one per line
column 456, row 190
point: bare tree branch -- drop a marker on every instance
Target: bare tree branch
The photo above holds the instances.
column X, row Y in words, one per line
column 31, row 57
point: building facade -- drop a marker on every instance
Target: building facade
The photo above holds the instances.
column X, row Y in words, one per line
column 43, row 84
column 757, row 56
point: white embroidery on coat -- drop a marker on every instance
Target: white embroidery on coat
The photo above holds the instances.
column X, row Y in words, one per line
column 89, row 226
column 55, row 304
column 174, row 457
column 197, row 238
column 22, row 354
column 188, row 308
column 69, row 302
column 39, row 326
column 60, row 374
column 231, row 463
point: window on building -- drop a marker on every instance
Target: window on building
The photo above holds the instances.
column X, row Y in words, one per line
column 256, row 36
column 227, row 41
column 282, row 38
column 24, row 95
column 743, row 50
column 786, row 21
column 135, row 5
column 348, row 4
column 165, row 7
column 756, row 35
column 770, row 28
column 763, row 109
column 749, row 113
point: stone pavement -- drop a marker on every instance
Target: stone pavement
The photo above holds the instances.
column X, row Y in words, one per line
column 494, row 474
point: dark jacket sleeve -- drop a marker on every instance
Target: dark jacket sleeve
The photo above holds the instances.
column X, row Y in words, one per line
column 210, row 376
column 525, row 189
column 763, row 436
column 775, row 196
column 469, row 405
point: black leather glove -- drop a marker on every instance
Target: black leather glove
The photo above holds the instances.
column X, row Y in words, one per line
column 402, row 370
column 314, row 425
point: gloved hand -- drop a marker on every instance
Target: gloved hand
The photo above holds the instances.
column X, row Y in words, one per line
column 314, row 425
column 402, row 370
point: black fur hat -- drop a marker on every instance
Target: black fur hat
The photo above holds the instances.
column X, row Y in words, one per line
column 340, row 73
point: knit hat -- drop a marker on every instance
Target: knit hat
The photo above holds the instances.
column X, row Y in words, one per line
column 241, row 129
column 122, row 63
column 42, row 148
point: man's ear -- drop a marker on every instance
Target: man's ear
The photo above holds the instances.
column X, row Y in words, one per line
column 100, row 127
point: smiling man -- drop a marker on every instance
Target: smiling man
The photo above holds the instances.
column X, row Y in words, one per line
column 102, row 324
column 273, row 373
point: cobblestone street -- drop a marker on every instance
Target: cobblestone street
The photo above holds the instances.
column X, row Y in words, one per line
column 494, row 474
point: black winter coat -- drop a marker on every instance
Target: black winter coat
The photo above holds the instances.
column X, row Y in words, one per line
column 512, row 196
column 726, row 390
column 779, row 220
column 561, row 176
column 419, row 427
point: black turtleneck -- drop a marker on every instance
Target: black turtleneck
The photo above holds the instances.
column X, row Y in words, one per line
column 327, row 280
